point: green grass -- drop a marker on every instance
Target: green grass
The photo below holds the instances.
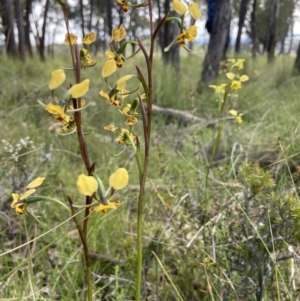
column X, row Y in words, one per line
column 231, row 253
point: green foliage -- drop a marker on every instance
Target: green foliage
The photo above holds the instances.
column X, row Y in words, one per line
column 245, row 241
column 255, row 177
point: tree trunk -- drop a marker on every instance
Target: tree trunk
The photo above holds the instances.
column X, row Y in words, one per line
column 272, row 38
column 242, row 16
column 292, row 36
column 20, row 25
column 42, row 37
column 28, row 8
column 82, row 17
column 297, row 61
column 91, row 15
column 217, row 42
column 8, row 25
column 109, row 17
column 253, row 29
column 169, row 31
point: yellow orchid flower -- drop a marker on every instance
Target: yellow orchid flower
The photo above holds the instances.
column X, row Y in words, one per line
column 236, row 80
column 238, row 117
column 124, row 4
column 189, row 35
column 117, row 180
column 239, row 63
column 59, row 112
column 70, row 39
column 18, row 202
column 131, row 121
column 118, row 34
column 113, row 61
column 89, row 38
column 111, row 128
column 235, row 85
column 58, row 76
column 219, row 89
column 125, row 136
column 80, row 89
column 86, row 59
column 111, row 97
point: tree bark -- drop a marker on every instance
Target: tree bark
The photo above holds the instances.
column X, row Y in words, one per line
column 166, row 35
column 20, row 25
column 82, row 17
column 297, row 61
column 217, row 42
column 42, row 37
column 8, row 24
column 242, row 16
column 109, row 17
column 28, row 8
column 91, row 15
column 272, row 38
column 253, row 29
column 292, row 35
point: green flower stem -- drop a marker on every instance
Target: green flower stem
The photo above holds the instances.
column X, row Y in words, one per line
column 147, row 136
column 216, row 145
column 36, row 199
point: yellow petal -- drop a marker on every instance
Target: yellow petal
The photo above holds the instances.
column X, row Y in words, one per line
column 105, row 95
column 89, row 38
column 109, row 68
column 235, row 85
column 179, row 7
column 231, row 60
column 80, row 89
column 192, row 31
column 131, row 121
column 233, row 112
column 109, row 55
column 27, row 193
column 103, row 208
column 73, row 39
column 194, row 10
column 20, row 209
column 111, row 128
column 244, row 78
column 119, row 179
column 121, row 82
column 118, row 34
column 36, row 183
column 58, row 76
column 15, row 197
column 239, row 119
column 230, row 75
column 86, row 185
column 54, row 109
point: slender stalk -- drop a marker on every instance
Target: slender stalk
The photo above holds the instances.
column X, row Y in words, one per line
column 75, row 55
column 216, row 144
column 147, row 136
column 83, row 239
